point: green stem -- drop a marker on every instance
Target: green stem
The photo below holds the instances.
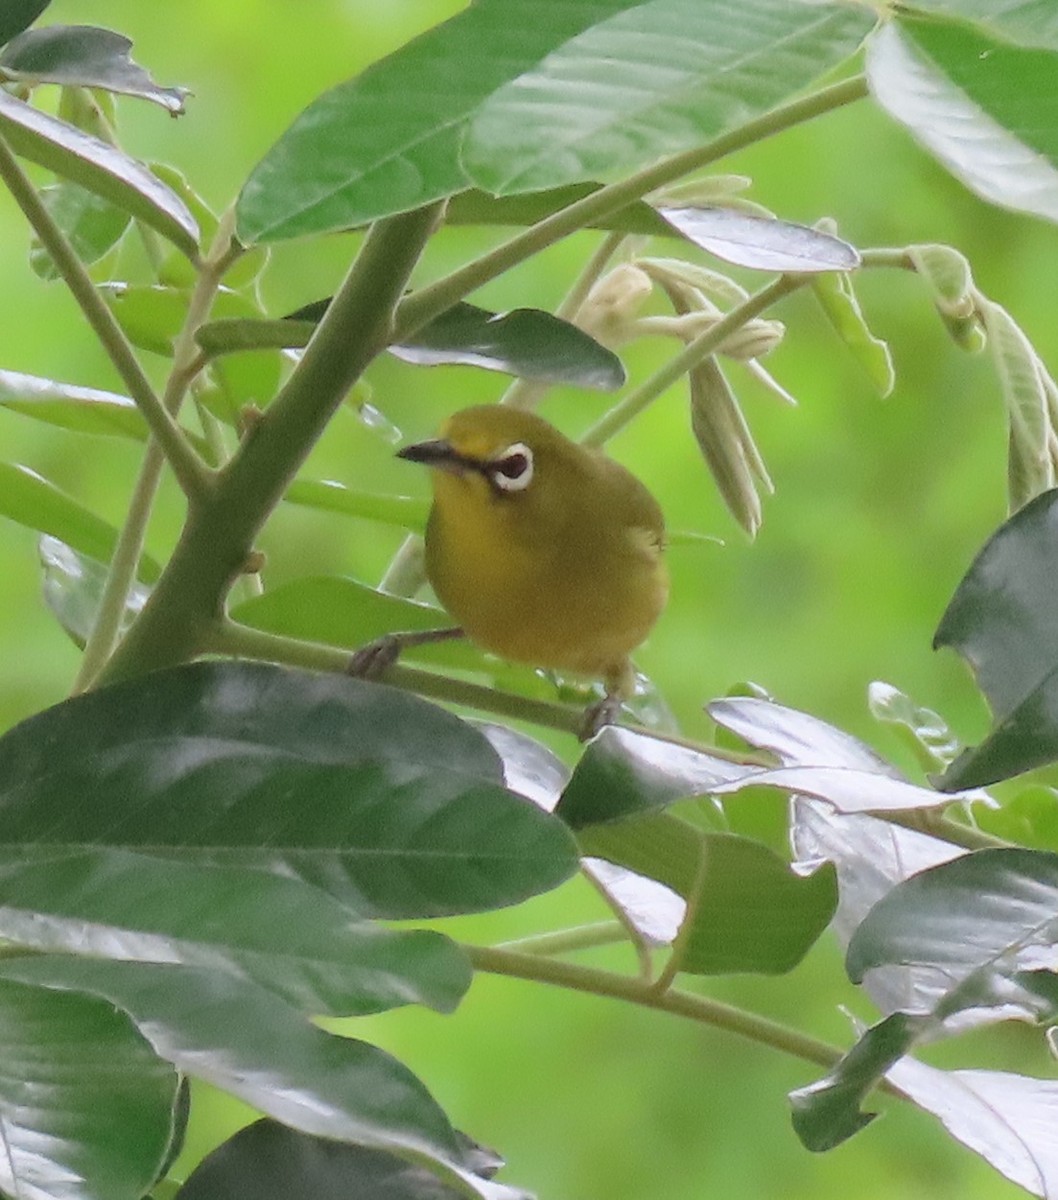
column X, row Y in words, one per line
column 563, row 941
column 190, row 471
column 595, row 982
column 427, row 303
column 121, row 575
column 686, row 930
column 218, row 538
column 690, row 356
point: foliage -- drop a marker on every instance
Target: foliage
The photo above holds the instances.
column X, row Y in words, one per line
column 199, row 859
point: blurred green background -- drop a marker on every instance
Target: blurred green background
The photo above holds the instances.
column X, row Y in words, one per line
column 879, row 509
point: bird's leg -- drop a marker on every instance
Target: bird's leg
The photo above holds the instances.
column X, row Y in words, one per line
column 374, row 660
column 620, row 682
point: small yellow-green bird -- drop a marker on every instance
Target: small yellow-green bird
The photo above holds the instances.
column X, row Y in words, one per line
column 545, row 551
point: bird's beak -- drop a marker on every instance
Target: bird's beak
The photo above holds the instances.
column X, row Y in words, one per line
column 435, row 453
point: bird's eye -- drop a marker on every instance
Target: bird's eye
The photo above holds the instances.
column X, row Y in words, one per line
column 513, row 470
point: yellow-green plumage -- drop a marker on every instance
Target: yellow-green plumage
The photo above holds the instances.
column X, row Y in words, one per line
column 565, row 571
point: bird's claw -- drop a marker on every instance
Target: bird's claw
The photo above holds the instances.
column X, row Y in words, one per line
column 602, row 712
column 375, row 659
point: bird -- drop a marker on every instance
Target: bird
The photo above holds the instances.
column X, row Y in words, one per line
column 545, row 551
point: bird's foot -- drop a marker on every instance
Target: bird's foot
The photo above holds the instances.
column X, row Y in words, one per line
column 375, row 659
column 603, row 712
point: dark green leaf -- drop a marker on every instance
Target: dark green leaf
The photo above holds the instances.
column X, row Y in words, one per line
column 761, row 243
column 386, row 802
column 87, row 1107
column 30, row 500
column 751, row 911
column 73, row 588
column 623, row 774
column 526, row 342
column 828, row 1112
column 975, row 103
column 84, row 56
column 388, row 140
column 653, row 79
column 279, row 933
column 474, row 207
column 1003, row 621
column 18, row 15
column 246, row 1041
column 981, row 919
column 100, row 168
column 266, row 1161
column 92, row 224
column 81, row 409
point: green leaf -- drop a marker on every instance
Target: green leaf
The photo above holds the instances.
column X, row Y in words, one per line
column 748, row 910
column 761, row 243
column 92, row 224
column 266, row 1161
column 387, row 803
column 29, row 499
column 924, row 731
column 475, row 207
column 653, row 79
column 152, row 316
column 328, row 496
column 836, row 297
column 84, row 56
column 982, row 920
column 388, row 140
column 1002, row 621
column 18, row 15
column 975, row 104
column 73, row 588
column 1027, row 22
column 625, row 774
column 69, row 406
column 525, row 342
column 87, row 1107
column 246, row 1041
column 847, row 789
column 288, row 937
column 827, row 1113
column 99, row 168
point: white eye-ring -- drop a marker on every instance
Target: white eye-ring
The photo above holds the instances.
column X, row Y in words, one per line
column 512, row 471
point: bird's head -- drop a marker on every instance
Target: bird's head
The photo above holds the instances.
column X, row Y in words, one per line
column 494, row 450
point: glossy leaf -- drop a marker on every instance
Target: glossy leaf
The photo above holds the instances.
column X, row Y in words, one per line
column 29, row 499
column 388, row 140
column 847, row 789
column 991, row 913
column 623, row 774
column 651, row 80
column 749, row 911
column 267, row 1161
column 525, row 342
column 327, row 495
column 827, row 1113
column 69, row 406
column 475, row 207
column 1002, row 620
column 871, row 856
column 73, row 585
column 279, row 933
column 388, row 803
column 761, row 243
column 84, row 56
column 923, row 730
column 18, row 15
column 92, row 224
column 100, row 168
column 87, row 1107
column 1010, row 1120
column 246, row 1041
column 974, row 103
column 838, row 299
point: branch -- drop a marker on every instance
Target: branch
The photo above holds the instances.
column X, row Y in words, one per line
column 191, row 473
